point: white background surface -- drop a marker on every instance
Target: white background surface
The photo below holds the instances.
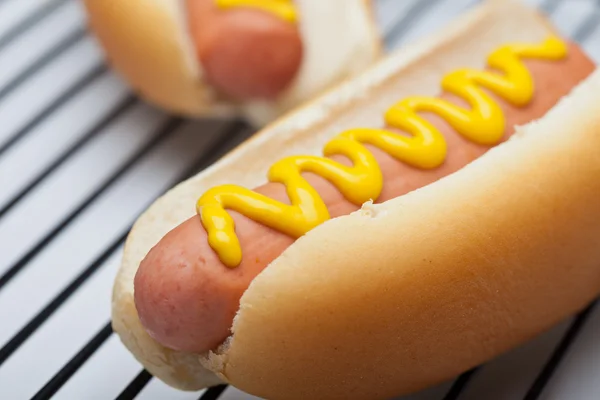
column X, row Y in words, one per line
column 80, row 158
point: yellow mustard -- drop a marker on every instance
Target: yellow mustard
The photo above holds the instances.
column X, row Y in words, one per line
column 482, row 123
column 283, row 9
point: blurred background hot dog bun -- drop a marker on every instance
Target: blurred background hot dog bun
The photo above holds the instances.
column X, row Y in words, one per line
column 197, row 58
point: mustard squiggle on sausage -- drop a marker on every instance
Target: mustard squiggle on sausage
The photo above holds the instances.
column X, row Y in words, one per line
column 482, row 123
column 283, row 9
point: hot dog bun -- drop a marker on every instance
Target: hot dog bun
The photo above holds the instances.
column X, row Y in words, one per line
column 411, row 292
column 389, row 291
column 149, row 44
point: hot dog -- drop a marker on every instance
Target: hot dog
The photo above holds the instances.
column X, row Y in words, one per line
column 247, row 52
column 257, row 58
column 446, row 240
column 187, row 298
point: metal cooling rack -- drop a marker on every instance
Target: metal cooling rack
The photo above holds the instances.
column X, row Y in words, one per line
column 81, row 157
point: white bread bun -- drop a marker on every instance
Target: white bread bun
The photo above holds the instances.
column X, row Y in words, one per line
column 410, row 292
column 148, row 43
column 287, row 344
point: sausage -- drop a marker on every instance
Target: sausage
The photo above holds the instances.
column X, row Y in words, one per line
column 246, row 53
column 187, row 299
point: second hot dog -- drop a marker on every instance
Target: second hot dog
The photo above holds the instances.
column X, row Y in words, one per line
column 254, row 58
column 248, row 49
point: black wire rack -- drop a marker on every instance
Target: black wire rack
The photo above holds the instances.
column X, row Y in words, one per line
column 81, row 157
